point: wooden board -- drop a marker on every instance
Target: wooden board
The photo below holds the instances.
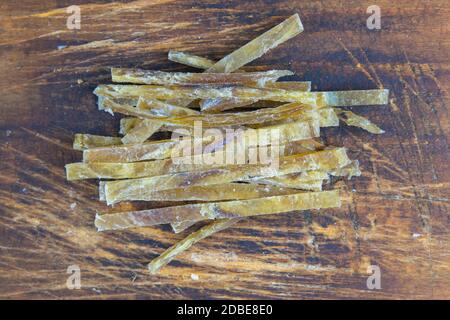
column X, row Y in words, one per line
column 397, row 216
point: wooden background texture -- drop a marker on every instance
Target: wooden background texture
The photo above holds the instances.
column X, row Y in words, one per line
column 397, row 215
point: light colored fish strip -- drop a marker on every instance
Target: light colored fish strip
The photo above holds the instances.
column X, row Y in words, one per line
column 219, row 210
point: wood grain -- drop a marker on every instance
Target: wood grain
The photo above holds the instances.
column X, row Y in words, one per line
column 397, row 213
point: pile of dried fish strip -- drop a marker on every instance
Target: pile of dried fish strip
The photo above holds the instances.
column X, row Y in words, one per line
column 138, row 168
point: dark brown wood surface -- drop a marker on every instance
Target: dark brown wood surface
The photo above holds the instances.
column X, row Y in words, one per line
column 397, row 215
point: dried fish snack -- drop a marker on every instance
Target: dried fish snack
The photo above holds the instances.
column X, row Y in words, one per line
column 216, row 192
column 352, row 119
column 139, row 76
column 155, row 265
column 219, row 210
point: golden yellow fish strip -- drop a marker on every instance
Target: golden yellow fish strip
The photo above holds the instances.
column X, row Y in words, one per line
column 206, row 92
column 352, row 98
column 129, row 153
column 322, row 99
column 219, row 210
column 139, row 76
column 355, row 120
column 85, row 141
column 254, row 49
column 155, row 265
column 218, row 192
column 327, row 160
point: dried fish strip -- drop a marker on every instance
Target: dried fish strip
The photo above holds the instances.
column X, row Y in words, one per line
column 322, row 99
column 139, row 76
column 205, row 92
column 353, row 98
column 130, row 153
column 217, row 192
column 156, row 264
column 85, row 141
column 326, row 160
column 254, row 49
column 352, row 119
column 219, row 210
